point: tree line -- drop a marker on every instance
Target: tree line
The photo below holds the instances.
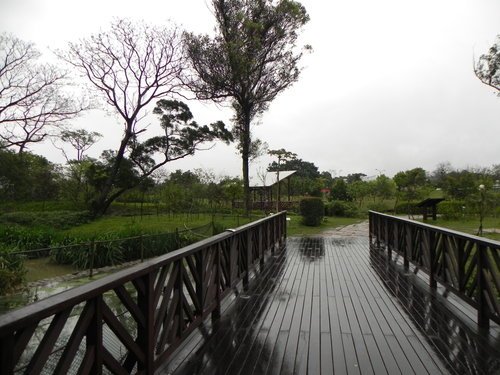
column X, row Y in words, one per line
column 251, row 59
column 29, row 177
column 253, row 56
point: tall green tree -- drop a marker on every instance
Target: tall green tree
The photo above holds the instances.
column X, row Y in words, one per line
column 409, row 183
column 27, row 177
column 249, row 62
column 384, row 187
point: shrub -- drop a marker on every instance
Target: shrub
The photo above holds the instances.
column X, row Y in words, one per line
column 50, row 219
column 218, row 228
column 342, row 209
column 12, row 271
column 407, row 208
column 20, row 238
column 312, row 211
column 379, row 207
column 451, row 210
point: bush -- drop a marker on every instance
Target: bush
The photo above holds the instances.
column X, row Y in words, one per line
column 20, row 238
column 218, row 228
column 451, row 210
column 82, row 255
column 342, row 209
column 50, row 219
column 312, row 211
column 113, row 249
column 407, row 208
column 379, row 207
column 12, row 271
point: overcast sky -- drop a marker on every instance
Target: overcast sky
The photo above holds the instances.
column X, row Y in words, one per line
column 389, row 87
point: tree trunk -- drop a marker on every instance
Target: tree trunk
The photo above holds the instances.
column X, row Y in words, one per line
column 102, row 203
column 245, row 155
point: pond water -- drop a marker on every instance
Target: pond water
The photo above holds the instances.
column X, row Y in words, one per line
column 34, row 293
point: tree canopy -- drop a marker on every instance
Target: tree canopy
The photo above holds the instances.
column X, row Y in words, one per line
column 249, row 62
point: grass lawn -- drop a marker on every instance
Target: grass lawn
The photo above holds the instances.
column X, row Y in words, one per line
column 295, row 228
column 470, row 226
column 168, row 223
column 151, row 224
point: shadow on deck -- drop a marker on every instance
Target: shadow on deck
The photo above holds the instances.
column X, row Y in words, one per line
column 328, row 305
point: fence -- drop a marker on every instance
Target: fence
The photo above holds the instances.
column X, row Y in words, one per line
column 466, row 265
column 110, row 252
column 269, row 206
column 133, row 320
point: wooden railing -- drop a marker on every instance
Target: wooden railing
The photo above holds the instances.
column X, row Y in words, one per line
column 466, row 265
column 131, row 321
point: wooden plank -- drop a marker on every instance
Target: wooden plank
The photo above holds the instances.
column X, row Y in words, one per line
column 221, row 345
column 336, row 316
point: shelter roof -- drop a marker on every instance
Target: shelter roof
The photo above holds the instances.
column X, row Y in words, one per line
column 268, row 179
column 429, row 202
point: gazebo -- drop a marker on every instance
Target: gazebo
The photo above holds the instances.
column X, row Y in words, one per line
column 262, row 186
column 429, row 207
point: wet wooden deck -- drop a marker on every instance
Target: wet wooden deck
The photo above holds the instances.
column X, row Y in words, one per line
column 329, row 305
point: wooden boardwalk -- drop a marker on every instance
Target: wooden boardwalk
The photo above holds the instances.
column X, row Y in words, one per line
column 329, row 305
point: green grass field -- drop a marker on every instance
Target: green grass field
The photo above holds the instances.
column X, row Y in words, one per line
column 471, row 226
column 151, row 224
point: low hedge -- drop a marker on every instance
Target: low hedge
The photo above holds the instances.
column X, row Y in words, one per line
column 342, row 209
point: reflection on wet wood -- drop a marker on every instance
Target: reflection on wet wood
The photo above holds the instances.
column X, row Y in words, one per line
column 330, row 305
column 467, row 265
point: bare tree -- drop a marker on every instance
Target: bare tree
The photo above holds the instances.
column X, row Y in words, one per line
column 251, row 60
column 132, row 65
column 32, row 99
column 487, row 68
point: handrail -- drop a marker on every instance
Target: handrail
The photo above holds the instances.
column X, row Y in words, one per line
column 166, row 297
column 467, row 265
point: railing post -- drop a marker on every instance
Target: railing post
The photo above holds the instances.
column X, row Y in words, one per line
column 261, row 244
column 285, row 226
column 200, row 285
column 273, row 238
column 370, row 225
column 233, row 260
column 379, row 230
column 406, row 260
column 7, row 354
column 483, row 319
column 248, row 256
column 432, row 259
column 217, row 311
column 94, row 336
column 145, row 334
column 386, row 239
